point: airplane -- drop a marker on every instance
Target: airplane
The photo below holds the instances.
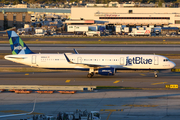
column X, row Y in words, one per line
column 103, row 64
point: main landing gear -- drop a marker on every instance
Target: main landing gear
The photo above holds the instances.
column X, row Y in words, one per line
column 155, row 74
column 89, row 75
column 91, row 72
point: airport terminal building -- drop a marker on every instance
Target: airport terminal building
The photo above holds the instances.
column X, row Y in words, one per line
column 129, row 16
column 10, row 17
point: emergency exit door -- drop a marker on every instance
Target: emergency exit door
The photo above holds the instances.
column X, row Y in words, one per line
column 156, row 60
column 33, row 59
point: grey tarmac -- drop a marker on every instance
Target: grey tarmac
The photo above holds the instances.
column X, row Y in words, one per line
column 124, row 78
column 140, row 80
column 99, row 49
column 112, row 104
column 98, row 38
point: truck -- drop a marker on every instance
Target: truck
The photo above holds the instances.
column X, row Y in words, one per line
column 93, row 33
column 140, row 32
column 79, row 115
column 77, row 28
column 23, row 31
column 125, row 29
column 81, row 28
column 118, row 29
column 39, row 32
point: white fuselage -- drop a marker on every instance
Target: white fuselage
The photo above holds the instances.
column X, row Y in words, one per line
column 117, row 61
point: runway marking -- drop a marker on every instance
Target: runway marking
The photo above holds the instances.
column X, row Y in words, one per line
column 175, row 70
column 19, row 111
column 27, row 74
column 116, row 81
column 111, row 110
column 67, row 81
column 134, row 105
column 109, row 115
column 158, row 83
column 142, row 74
column 171, row 86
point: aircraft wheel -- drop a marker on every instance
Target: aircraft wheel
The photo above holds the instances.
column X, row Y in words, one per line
column 155, row 75
column 89, row 75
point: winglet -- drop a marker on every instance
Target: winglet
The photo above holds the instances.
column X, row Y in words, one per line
column 75, row 51
column 69, row 61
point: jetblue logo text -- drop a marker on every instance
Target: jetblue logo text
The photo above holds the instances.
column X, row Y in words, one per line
column 137, row 60
column 19, row 48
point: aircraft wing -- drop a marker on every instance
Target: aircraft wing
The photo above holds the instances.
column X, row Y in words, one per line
column 84, row 64
column 12, row 115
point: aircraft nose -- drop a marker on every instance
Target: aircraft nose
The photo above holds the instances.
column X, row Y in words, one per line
column 173, row 64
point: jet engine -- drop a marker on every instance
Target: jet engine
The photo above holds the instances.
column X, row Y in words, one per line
column 105, row 71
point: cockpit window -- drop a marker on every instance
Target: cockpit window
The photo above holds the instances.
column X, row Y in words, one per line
column 166, row 60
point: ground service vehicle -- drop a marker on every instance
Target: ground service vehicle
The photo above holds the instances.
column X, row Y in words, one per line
column 93, row 33
column 140, row 32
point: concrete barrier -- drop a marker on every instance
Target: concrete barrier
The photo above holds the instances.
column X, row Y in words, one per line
column 42, row 87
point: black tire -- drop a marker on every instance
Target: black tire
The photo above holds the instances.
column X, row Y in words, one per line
column 89, row 75
column 92, row 74
column 155, row 76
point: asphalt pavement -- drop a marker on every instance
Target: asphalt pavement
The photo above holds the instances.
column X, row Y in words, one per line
column 97, row 38
column 99, row 49
column 112, row 104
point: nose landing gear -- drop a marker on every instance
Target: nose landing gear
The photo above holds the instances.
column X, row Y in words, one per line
column 155, row 74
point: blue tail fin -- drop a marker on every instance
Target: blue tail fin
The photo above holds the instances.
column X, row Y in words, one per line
column 17, row 45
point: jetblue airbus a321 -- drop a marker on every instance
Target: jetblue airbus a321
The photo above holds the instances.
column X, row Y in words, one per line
column 103, row 64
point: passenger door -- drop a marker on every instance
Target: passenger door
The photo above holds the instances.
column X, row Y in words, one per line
column 33, row 59
column 121, row 60
column 156, row 60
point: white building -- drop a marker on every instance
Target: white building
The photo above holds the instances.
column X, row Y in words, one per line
column 131, row 16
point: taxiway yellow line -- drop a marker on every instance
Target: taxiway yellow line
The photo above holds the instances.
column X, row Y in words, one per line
column 158, row 83
column 142, row 74
column 134, row 105
column 27, row 74
column 109, row 115
column 116, row 81
column 67, row 81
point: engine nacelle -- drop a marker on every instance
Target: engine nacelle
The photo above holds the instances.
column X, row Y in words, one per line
column 105, row 71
